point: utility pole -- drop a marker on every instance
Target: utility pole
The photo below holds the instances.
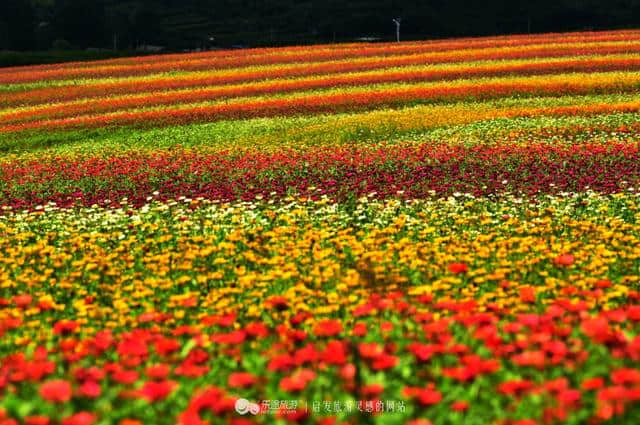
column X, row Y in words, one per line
column 397, row 21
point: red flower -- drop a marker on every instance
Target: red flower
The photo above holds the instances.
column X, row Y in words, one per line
column 384, row 361
column 370, row 350
column 530, row 358
column 80, row 418
column 360, row 329
column 348, row 372
column 372, row 390
column 90, row 389
column 241, row 380
column 515, row 387
column 423, row 352
column 335, row 353
column 164, row 347
column 125, row 376
column 458, row 268
column 460, row 406
column 158, row 371
column 232, row 338
column 569, row 397
column 65, row 327
column 306, row 354
column 156, row 390
column 256, row 329
column 190, row 370
column 596, row 328
column 132, row 347
column 281, row 362
column 298, row 381
column 426, row 396
column 56, row 390
column 616, row 393
column 23, row 300
column 592, row 383
column 625, row 376
column 564, row 260
column 633, row 313
column 37, row 420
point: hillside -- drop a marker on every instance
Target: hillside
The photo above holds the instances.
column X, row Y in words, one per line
column 437, row 232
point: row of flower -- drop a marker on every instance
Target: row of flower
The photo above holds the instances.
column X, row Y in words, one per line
column 442, row 90
column 352, row 99
column 456, row 310
column 395, row 67
column 406, row 170
column 433, row 45
column 508, row 121
column 456, row 51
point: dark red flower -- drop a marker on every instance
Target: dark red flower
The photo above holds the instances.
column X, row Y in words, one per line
column 65, row 327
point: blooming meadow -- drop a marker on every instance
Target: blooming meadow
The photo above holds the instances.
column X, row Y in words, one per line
column 418, row 233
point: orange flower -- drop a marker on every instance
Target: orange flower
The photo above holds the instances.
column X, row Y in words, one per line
column 564, row 260
column 527, row 294
column 328, row 327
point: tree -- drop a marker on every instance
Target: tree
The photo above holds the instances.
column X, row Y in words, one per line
column 17, row 27
column 80, row 22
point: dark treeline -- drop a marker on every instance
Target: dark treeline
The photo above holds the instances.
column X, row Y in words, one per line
column 190, row 24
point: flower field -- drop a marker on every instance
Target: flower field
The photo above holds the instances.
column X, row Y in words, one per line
column 417, row 233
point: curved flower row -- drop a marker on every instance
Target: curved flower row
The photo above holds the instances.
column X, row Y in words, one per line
column 163, row 83
column 355, row 99
column 464, row 54
column 282, row 86
column 433, row 45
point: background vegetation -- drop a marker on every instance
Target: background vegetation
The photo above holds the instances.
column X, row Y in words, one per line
column 124, row 25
